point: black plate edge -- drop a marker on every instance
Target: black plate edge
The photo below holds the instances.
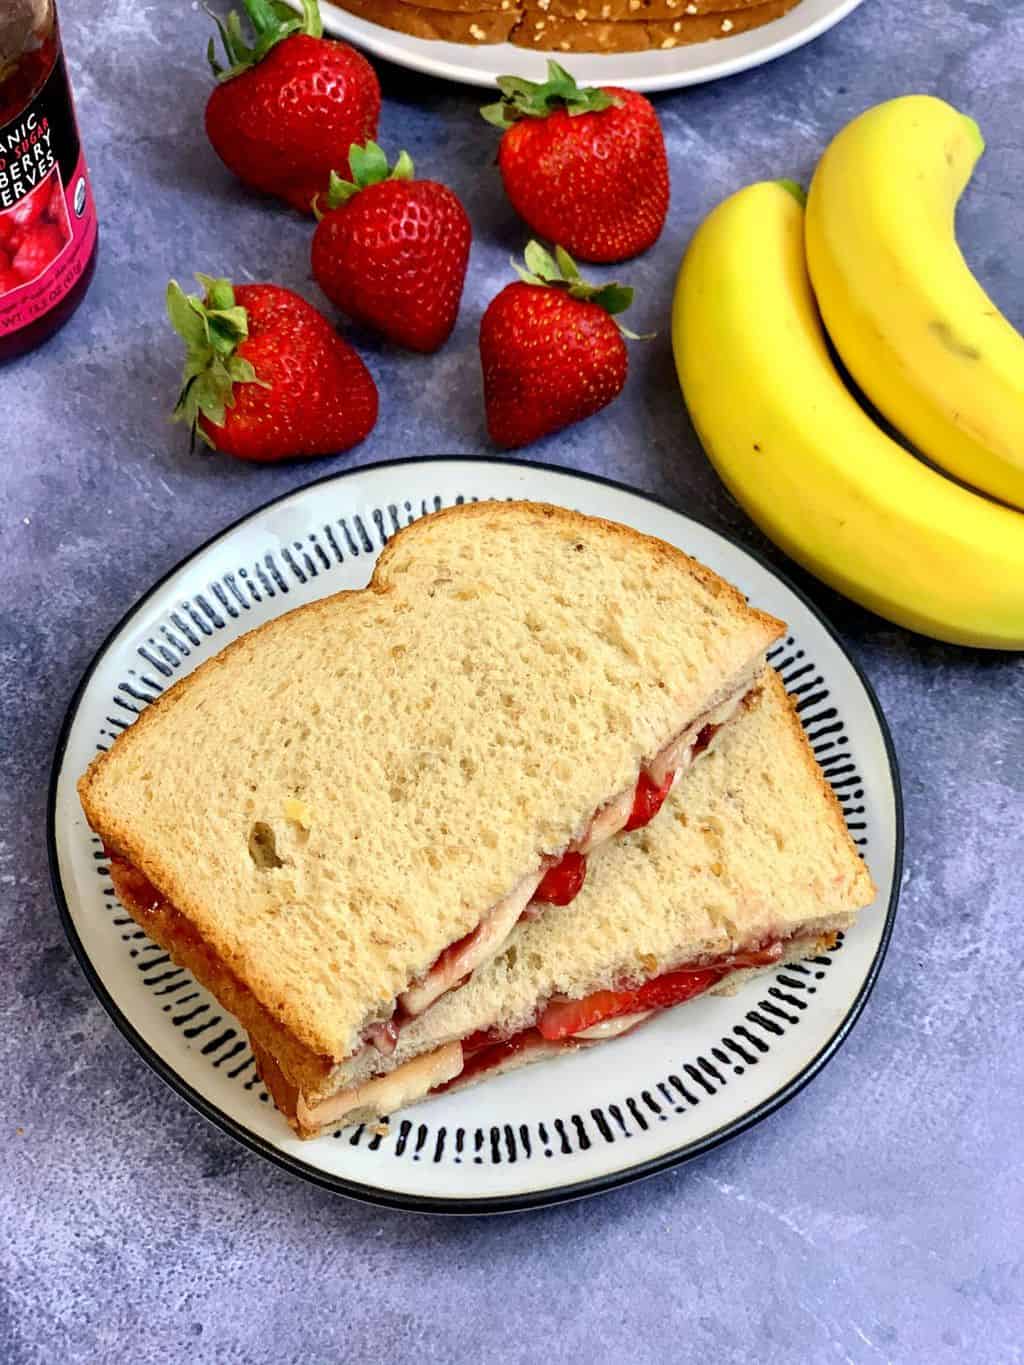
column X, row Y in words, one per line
column 372, row 1194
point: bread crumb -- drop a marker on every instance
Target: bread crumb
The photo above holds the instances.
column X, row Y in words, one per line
column 669, row 42
column 297, row 810
column 726, row 25
column 382, row 1129
column 475, row 31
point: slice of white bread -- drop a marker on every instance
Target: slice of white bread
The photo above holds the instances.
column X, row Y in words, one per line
column 341, row 794
column 752, row 848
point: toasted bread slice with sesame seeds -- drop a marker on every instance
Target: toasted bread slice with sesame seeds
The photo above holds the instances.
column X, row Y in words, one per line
column 547, row 31
column 571, row 25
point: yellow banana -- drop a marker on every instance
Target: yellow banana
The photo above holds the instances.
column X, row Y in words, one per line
column 910, row 322
column 806, row 462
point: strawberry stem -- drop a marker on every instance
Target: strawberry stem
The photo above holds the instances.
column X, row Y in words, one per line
column 369, row 166
column 794, row 188
column 533, row 99
column 271, row 21
column 212, row 326
column 560, row 271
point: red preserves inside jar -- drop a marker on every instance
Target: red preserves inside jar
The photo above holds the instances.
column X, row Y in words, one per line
column 47, row 217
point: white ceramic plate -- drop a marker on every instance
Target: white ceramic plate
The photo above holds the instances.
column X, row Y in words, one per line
column 569, row 1127
column 635, row 70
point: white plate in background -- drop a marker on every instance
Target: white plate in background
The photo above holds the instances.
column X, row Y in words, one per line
column 649, row 71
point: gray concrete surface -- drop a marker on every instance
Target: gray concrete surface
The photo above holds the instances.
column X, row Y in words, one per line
column 879, row 1216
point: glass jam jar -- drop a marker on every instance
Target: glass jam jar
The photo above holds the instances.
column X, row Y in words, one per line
column 47, row 216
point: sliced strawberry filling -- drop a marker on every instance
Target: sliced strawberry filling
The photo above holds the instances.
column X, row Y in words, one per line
column 560, row 884
column 704, row 738
column 564, row 1018
column 562, row 1021
column 563, row 882
column 648, row 799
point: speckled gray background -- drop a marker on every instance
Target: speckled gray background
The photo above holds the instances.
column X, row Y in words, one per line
column 877, row 1217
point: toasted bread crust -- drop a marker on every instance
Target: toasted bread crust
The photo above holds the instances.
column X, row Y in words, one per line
column 168, row 927
column 282, row 1091
column 481, row 25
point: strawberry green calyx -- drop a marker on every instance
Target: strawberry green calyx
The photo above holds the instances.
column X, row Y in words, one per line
column 272, row 21
column 534, row 99
column 212, row 326
column 369, row 166
column 560, row 271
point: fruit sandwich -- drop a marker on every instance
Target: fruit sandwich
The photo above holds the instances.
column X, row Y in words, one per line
column 337, row 822
column 749, row 865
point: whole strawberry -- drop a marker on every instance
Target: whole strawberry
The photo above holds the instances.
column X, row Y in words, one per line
column 266, row 376
column 392, row 251
column 584, row 167
column 288, row 108
column 550, row 350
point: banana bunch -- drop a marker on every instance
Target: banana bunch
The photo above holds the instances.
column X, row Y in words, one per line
column 919, row 336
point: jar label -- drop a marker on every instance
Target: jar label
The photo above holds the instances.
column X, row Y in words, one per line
column 47, row 215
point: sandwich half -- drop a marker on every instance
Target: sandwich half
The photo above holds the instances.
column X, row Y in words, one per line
column 341, row 818
column 749, row 866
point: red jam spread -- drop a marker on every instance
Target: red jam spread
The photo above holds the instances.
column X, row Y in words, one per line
column 703, row 739
column 648, row 800
column 482, row 1053
column 563, row 882
column 562, row 1019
